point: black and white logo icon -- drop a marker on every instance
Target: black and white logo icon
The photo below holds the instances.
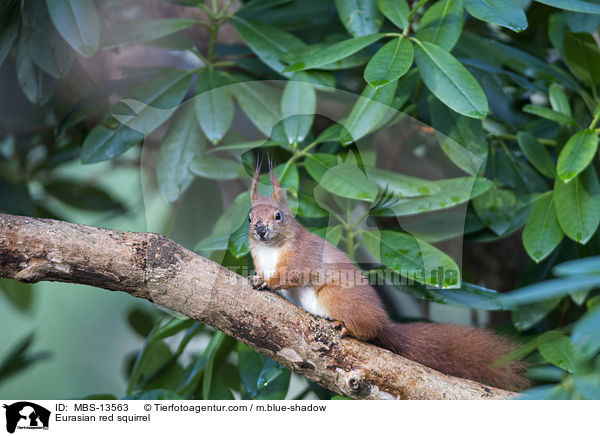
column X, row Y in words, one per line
column 26, row 415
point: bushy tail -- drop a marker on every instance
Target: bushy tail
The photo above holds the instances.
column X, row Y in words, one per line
column 456, row 350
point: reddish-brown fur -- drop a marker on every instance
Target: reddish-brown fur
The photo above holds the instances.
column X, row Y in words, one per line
column 307, row 259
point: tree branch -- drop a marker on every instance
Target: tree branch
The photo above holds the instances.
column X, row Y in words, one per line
column 153, row 267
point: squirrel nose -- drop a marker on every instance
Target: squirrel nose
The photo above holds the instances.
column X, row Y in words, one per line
column 261, row 230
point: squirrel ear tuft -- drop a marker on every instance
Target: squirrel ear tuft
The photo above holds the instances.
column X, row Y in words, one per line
column 254, row 189
column 278, row 192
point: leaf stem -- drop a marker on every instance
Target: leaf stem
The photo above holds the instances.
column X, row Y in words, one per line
column 594, row 92
column 225, row 9
column 296, row 156
column 224, row 64
column 360, row 220
column 211, row 44
column 349, row 235
column 511, row 137
column 414, row 10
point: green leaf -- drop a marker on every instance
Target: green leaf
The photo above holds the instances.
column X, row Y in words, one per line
column 164, row 90
column 77, row 23
column 309, row 57
column 588, row 265
column 216, row 168
column 548, row 289
column 332, row 234
column 140, row 321
column 308, row 207
column 559, row 100
column 103, row 143
column 442, row 24
column 341, row 178
column 542, row 233
column 155, row 367
column 321, row 80
column 262, row 378
column 463, row 138
column 228, row 223
column 298, row 107
column 83, row 196
column 367, row 114
column 559, row 352
column 9, row 29
column 19, row 294
column 182, row 142
column 390, row 62
column 15, row 198
column 587, row 386
column 577, row 205
column 517, row 174
column 468, row 295
column 441, row 227
column 536, row 153
column 37, row 86
column 450, row 81
column 153, row 101
column 214, row 109
column 585, row 333
column 269, row 43
column 171, row 328
column 19, row 358
column 153, row 394
column 140, row 116
column 45, row 46
column 98, row 397
column 289, row 180
column 583, row 56
column 526, row 316
column 260, row 103
column 577, row 154
column 580, row 297
column 359, row 17
column 413, row 258
column 597, row 111
column 144, row 31
column 403, row 185
column 242, row 147
column 451, row 192
column 496, row 209
column 549, row 114
column 396, row 11
column 587, row 7
column 209, row 355
column 546, row 373
column 239, row 243
column 502, row 12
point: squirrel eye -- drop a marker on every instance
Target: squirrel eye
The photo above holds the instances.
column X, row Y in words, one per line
column 277, row 216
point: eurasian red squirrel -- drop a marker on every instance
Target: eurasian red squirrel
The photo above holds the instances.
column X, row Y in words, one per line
column 315, row 275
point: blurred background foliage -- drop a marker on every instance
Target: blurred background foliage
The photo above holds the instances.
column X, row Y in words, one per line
column 87, row 85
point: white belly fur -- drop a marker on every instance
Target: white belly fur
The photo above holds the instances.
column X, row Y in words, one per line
column 266, row 258
column 306, row 298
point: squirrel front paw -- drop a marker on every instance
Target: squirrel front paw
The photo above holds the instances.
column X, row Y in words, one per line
column 257, row 282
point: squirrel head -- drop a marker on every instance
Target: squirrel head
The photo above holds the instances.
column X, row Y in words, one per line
column 271, row 221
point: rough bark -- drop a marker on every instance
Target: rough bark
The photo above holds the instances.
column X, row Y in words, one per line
column 153, row 267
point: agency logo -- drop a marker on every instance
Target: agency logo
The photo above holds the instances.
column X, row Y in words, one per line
column 26, row 415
